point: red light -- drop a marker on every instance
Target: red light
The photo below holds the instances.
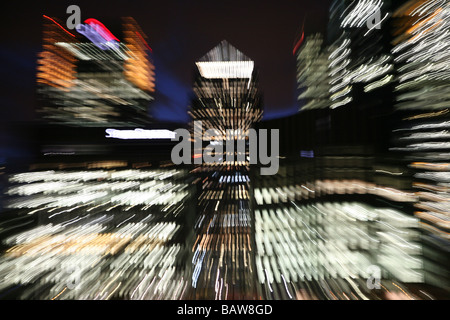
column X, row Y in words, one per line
column 101, row 29
column 197, row 156
column 297, row 45
column 58, row 25
column 142, row 38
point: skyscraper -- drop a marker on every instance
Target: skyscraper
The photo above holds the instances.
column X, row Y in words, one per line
column 87, row 80
column 229, row 102
column 312, row 73
column 226, row 89
column 421, row 102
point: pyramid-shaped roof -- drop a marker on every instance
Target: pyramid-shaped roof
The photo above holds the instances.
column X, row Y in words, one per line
column 224, row 51
column 224, row 61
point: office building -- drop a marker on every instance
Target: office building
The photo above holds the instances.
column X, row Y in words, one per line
column 88, row 77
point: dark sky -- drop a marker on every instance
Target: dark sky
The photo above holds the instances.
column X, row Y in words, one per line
column 179, row 32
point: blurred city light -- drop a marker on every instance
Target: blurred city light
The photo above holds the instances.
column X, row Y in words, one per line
column 358, row 208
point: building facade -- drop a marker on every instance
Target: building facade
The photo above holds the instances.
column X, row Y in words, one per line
column 83, row 82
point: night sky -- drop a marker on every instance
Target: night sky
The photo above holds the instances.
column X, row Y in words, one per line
column 179, row 32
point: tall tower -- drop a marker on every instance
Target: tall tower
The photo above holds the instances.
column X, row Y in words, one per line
column 312, row 73
column 229, row 102
column 422, row 138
